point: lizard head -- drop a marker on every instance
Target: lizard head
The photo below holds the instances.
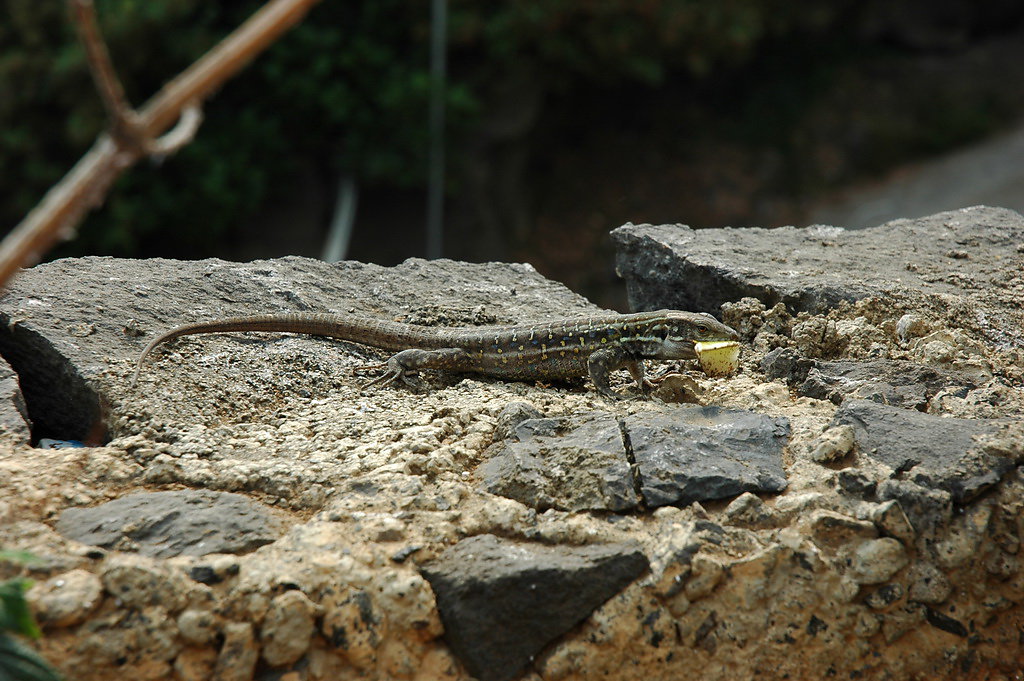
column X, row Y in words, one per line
column 677, row 331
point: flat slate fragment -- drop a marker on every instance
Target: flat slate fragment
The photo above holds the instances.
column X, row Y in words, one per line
column 932, row 451
column 703, row 453
column 167, row 524
column 965, row 252
column 502, row 602
column 569, row 465
column 898, row 383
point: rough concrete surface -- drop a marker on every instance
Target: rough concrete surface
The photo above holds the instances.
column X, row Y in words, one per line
column 874, row 562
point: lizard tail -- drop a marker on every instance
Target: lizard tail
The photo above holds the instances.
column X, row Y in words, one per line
column 376, row 332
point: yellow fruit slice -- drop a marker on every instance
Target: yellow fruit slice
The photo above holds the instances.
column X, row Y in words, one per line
column 718, row 358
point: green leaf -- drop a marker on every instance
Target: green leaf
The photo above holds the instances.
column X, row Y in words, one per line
column 18, row 662
column 23, row 557
column 14, row 612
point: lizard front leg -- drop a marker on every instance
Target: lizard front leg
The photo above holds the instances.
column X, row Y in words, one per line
column 602, row 362
column 404, row 365
column 635, row 367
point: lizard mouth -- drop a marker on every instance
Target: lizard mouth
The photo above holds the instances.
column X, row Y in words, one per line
column 678, row 348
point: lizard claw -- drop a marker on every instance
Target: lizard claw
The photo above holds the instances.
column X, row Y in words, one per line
column 394, row 371
column 612, row 395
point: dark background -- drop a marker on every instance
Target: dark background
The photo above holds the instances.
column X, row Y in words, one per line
column 565, row 119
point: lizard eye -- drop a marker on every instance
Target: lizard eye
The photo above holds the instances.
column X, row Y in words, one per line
column 702, row 328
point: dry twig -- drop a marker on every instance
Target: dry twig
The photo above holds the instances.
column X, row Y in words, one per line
column 135, row 134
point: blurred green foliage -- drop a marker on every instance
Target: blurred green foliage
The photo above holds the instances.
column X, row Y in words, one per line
column 348, row 89
column 615, row 40
column 346, row 92
column 18, row 662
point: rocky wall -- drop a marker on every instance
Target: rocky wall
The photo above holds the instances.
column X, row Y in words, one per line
column 847, row 505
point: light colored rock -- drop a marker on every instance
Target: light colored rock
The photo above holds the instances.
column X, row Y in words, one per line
column 749, row 510
column 409, row 604
column 67, row 599
column 877, row 560
column 833, row 444
column 237, row 658
column 796, row 503
column 962, row 542
column 892, row 521
column 928, row 584
column 832, row 530
column 397, row 659
column 287, row 628
column 197, row 626
column 195, row 664
column 706, row 573
column 819, row 337
column 910, row 326
column 438, row 665
column 139, row 581
column 352, row 624
column 326, row 664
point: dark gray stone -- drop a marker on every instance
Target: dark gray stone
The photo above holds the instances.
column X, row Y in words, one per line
column 927, row 509
column 884, row 596
column 686, row 455
column 701, row 453
column 899, row 383
column 166, row 524
column 814, row 268
column 14, row 423
column 502, row 602
column 945, row 623
column 787, row 364
column 552, row 463
column 929, row 450
column 855, row 483
column 511, row 415
column 73, row 328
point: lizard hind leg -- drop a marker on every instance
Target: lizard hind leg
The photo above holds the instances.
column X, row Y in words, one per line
column 405, row 365
column 394, row 372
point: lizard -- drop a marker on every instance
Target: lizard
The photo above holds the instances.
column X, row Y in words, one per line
column 560, row 349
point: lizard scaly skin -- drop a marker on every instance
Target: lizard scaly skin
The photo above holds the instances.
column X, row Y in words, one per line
column 561, row 349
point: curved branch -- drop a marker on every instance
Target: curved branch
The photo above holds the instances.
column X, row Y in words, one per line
column 180, row 135
column 205, row 76
column 119, row 111
column 134, row 134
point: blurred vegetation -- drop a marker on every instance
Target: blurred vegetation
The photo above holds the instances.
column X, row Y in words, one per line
column 18, row 662
column 347, row 91
column 348, row 88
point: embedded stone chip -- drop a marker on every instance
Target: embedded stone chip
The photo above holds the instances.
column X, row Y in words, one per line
column 287, row 629
column 877, row 560
column 66, row 599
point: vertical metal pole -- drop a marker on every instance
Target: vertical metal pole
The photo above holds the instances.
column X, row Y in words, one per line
column 435, row 186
